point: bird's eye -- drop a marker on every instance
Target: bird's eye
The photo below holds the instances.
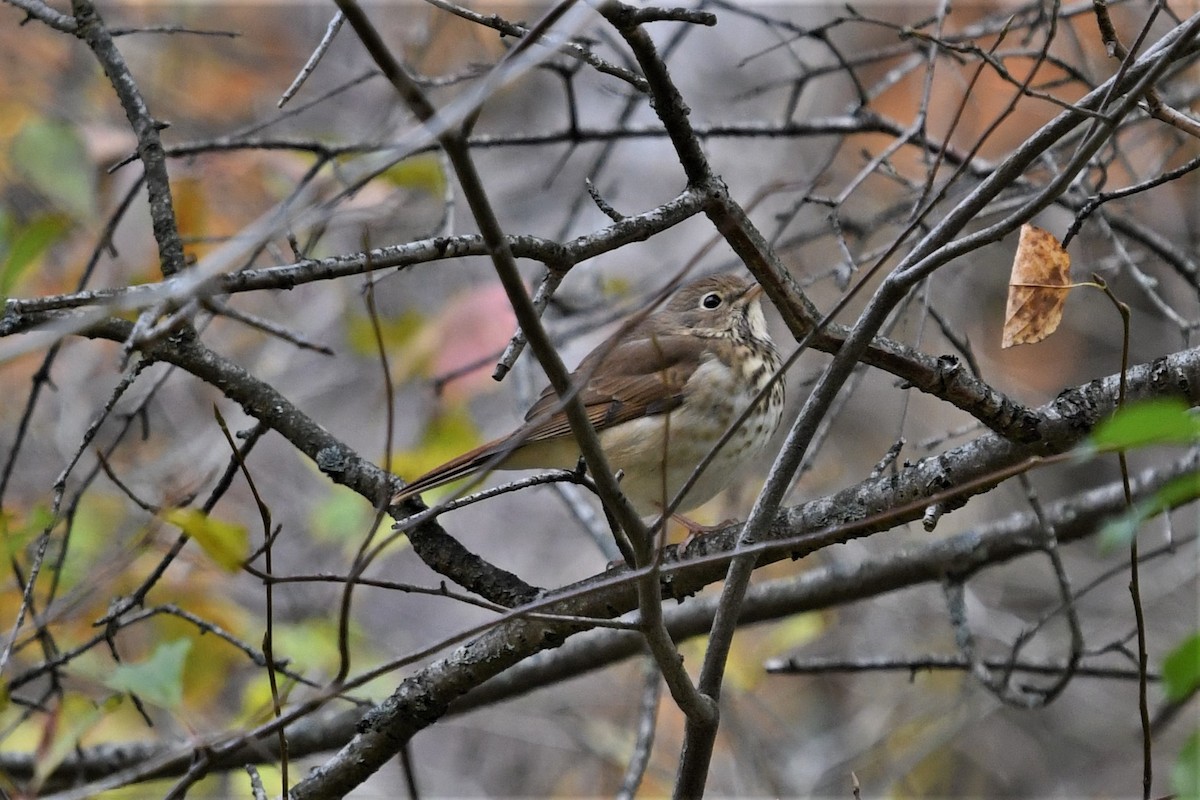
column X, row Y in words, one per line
column 711, row 300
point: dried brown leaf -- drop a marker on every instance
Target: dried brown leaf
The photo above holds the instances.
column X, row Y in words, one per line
column 1037, row 288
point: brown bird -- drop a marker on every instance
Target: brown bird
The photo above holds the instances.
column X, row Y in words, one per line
column 663, row 392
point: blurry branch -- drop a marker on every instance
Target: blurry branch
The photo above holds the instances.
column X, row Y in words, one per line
column 137, row 598
column 39, row 551
column 554, row 477
column 647, row 724
column 443, row 591
column 569, row 48
column 1067, row 607
column 268, row 639
column 541, row 298
column 958, row 663
column 142, row 614
column 864, row 121
column 269, row 327
column 331, row 30
column 171, row 29
column 1029, row 16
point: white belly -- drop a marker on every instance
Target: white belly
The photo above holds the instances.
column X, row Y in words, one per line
column 690, row 437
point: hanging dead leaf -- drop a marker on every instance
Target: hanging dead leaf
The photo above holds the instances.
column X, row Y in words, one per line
column 1037, row 288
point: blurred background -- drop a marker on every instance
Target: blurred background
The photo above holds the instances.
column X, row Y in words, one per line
column 830, row 202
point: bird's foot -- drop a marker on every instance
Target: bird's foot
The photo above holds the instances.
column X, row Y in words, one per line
column 696, row 529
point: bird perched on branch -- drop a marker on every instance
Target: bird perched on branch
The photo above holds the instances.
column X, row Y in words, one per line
column 660, row 393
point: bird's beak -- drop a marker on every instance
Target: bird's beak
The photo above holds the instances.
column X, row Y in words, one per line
column 753, row 293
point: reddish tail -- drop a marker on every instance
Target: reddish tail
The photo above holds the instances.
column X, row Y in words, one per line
column 452, row 470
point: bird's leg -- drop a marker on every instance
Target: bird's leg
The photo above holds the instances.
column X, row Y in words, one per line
column 619, row 536
column 695, row 529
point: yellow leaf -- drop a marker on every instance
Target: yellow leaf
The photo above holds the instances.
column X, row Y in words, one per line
column 396, row 332
column 616, row 286
column 447, row 435
column 191, row 213
column 226, row 543
column 423, row 171
column 795, row 631
column 1037, row 288
column 258, row 704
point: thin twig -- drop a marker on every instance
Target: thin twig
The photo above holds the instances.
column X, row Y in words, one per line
column 647, row 724
column 310, row 65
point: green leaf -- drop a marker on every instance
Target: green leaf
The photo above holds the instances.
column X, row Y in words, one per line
column 342, row 516
column 158, row 679
column 1185, row 776
column 1166, row 421
column 1181, row 669
column 25, row 245
column 52, row 157
column 226, row 543
column 1176, row 492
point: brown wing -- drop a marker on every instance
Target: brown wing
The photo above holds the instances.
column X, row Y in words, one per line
column 641, row 377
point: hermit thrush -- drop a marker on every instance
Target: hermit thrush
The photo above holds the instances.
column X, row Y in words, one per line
column 660, row 394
